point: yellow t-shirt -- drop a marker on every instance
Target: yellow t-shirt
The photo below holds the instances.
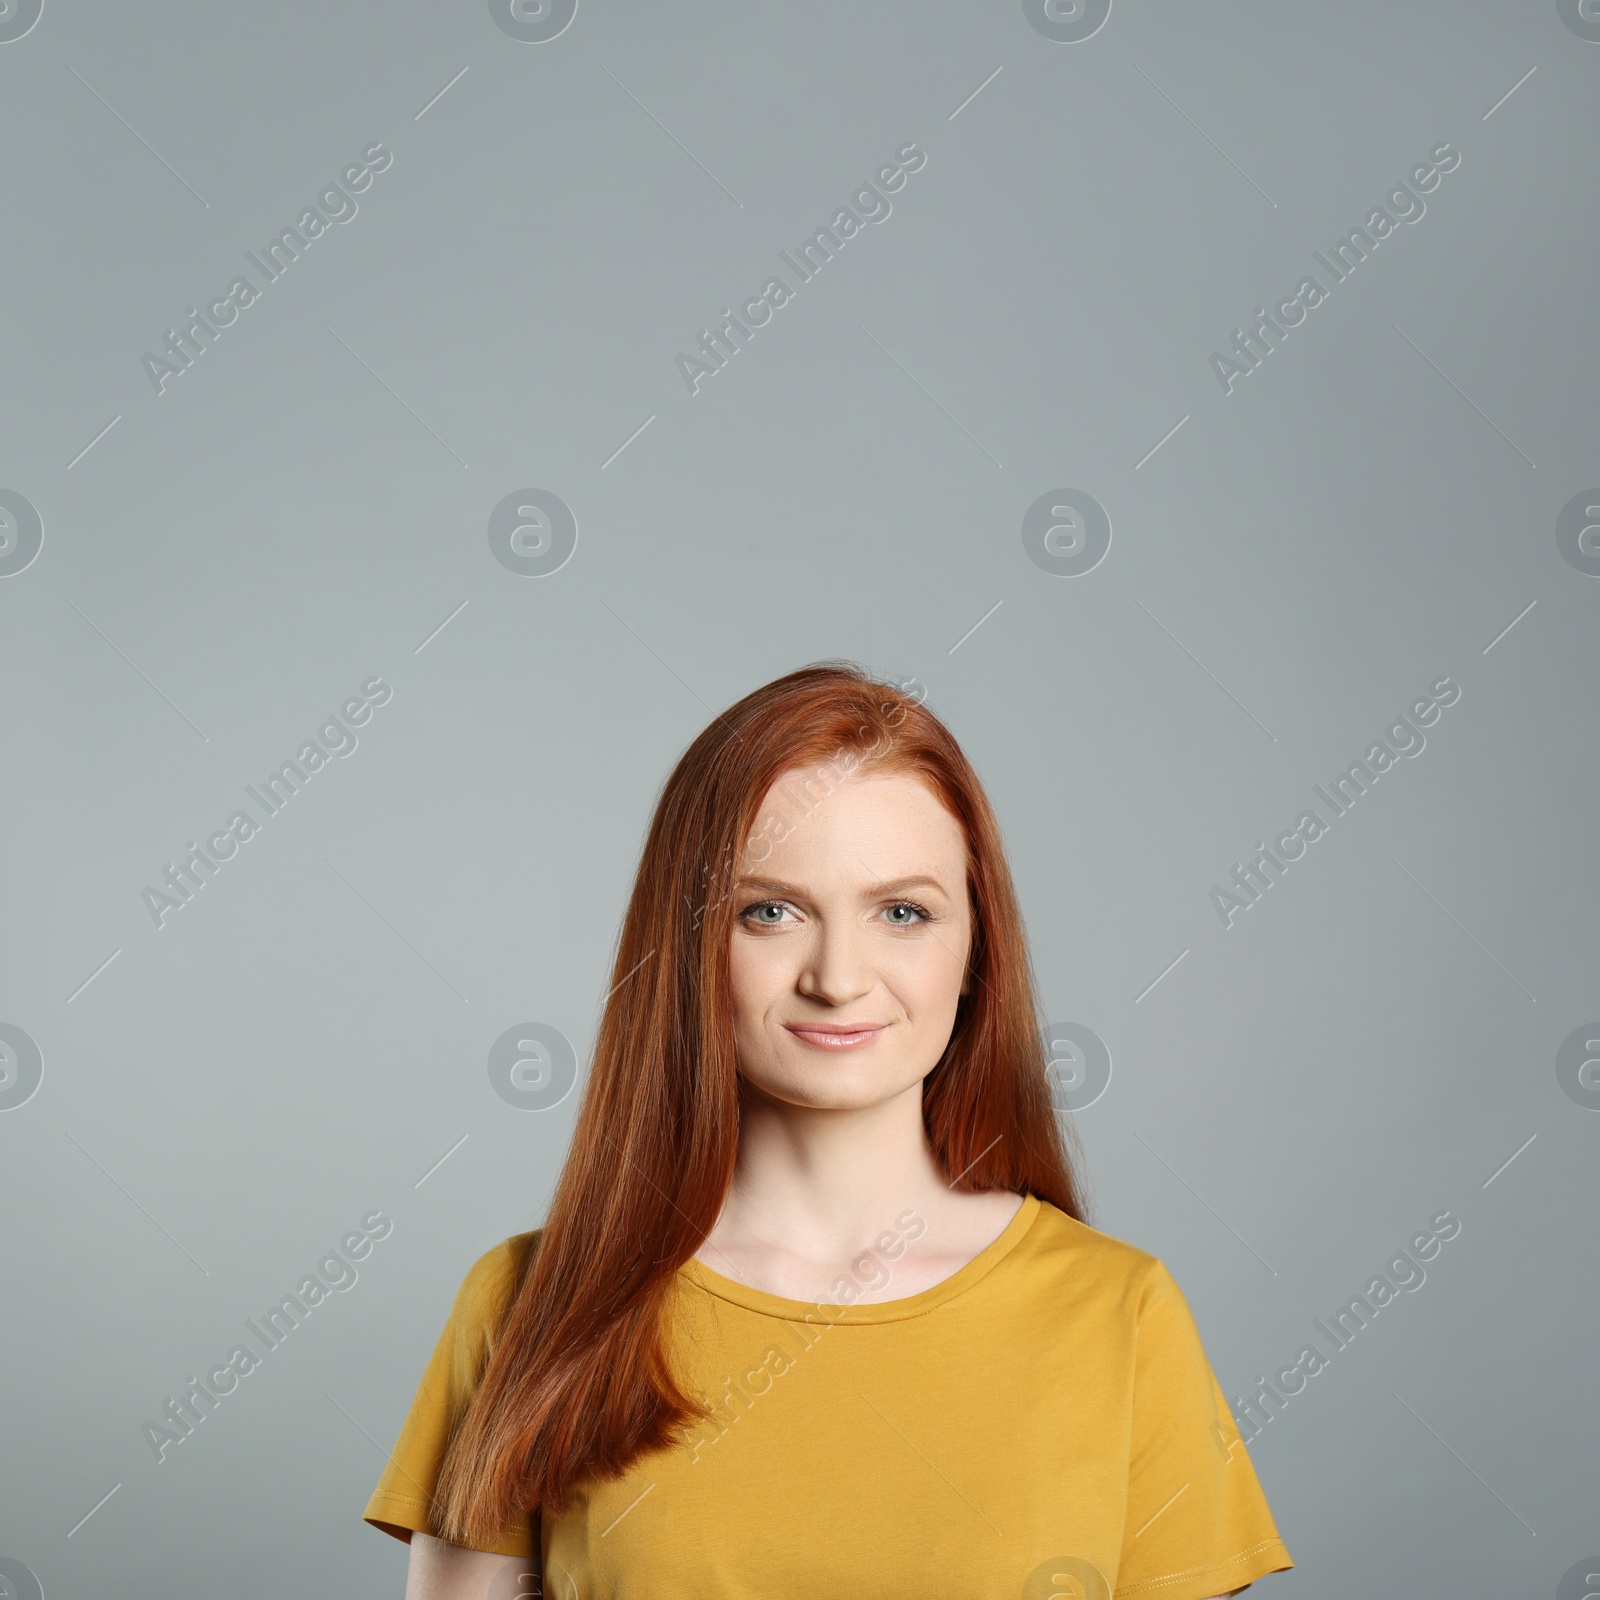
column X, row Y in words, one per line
column 1042, row 1425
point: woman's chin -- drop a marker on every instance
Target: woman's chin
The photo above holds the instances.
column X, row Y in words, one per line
column 835, row 1085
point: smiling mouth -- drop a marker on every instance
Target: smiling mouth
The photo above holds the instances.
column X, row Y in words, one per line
column 821, row 1037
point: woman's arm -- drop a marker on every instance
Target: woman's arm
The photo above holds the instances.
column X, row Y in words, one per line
column 440, row 1571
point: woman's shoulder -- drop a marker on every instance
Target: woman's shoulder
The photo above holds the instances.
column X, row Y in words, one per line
column 1096, row 1260
column 492, row 1280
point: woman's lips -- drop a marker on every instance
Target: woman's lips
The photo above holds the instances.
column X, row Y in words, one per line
column 825, row 1038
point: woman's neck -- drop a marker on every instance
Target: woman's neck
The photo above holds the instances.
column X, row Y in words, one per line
column 816, row 1190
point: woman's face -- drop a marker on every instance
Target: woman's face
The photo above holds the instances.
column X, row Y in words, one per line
column 850, row 941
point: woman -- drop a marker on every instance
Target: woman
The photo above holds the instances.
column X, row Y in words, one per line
column 815, row 1310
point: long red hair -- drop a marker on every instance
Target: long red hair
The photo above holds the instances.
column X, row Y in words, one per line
column 580, row 1382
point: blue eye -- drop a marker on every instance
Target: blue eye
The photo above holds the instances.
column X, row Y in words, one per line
column 921, row 912
column 751, row 913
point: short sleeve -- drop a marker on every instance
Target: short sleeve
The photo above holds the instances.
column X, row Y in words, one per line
column 1198, row 1523
column 402, row 1503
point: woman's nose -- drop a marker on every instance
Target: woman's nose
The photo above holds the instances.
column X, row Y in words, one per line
column 835, row 968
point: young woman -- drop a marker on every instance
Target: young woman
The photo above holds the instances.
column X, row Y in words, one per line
column 816, row 1310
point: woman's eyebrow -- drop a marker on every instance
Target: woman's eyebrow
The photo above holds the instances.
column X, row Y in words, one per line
column 871, row 890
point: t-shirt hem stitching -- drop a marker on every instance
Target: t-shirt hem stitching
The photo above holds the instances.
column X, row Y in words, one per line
column 401, row 1500
column 1151, row 1585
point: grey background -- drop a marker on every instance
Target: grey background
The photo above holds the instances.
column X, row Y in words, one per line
column 307, row 505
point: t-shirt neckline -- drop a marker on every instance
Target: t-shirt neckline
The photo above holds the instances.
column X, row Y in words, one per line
column 959, row 1281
